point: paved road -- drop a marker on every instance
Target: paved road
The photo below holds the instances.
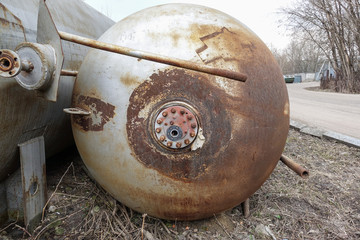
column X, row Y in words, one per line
column 329, row 111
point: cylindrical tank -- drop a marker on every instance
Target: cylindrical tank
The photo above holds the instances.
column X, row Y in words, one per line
column 175, row 143
column 24, row 115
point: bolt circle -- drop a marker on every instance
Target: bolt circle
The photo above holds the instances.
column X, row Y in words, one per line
column 178, row 130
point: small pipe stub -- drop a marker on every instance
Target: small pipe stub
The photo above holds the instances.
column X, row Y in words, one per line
column 10, row 65
column 175, row 126
column 301, row 171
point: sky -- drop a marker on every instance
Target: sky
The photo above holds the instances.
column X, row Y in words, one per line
column 261, row 16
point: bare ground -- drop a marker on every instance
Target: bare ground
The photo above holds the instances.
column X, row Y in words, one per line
column 324, row 206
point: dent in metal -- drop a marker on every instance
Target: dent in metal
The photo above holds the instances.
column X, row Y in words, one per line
column 214, row 48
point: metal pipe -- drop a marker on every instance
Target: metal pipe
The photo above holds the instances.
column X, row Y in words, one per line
column 153, row 57
column 65, row 72
column 301, row 171
column 27, row 66
column 246, row 208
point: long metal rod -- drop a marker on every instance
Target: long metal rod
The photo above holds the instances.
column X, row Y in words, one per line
column 301, row 171
column 153, row 57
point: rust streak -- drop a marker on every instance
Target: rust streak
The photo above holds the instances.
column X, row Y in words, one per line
column 6, row 22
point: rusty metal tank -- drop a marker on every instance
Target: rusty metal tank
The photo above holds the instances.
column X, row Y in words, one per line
column 175, row 143
column 24, row 115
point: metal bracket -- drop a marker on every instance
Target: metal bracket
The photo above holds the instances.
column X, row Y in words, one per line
column 33, row 172
column 48, row 34
column 76, row 111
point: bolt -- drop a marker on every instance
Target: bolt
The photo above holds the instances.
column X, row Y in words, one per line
column 189, row 117
column 162, row 138
column 178, row 145
column 159, row 121
column 182, row 111
column 173, row 110
column 192, row 134
column 169, row 144
column 193, row 125
column 158, row 130
column 164, row 114
column 187, row 141
column 171, row 122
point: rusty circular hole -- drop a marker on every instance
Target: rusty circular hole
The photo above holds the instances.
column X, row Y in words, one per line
column 33, row 189
column 5, row 63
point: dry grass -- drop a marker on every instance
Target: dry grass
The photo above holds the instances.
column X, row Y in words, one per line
column 324, row 206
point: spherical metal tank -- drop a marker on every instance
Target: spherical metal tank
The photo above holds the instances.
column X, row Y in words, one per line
column 25, row 115
column 175, row 143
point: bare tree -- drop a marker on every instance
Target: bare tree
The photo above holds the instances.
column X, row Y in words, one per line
column 300, row 56
column 334, row 26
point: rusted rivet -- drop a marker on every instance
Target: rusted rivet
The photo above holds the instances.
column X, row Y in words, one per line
column 159, row 121
column 192, row 134
column 164, row 114
column 187, row 141
column 189, row 117
column 173, row 110
column 182, row 111
column 158, row 130
column 162, row 138
column 169, row 144
column 178, row 145
column 171, row 122
column 193, row 125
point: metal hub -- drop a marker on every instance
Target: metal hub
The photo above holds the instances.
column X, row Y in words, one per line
column 176, row 125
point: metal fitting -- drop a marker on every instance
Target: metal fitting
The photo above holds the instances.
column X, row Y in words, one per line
column 176, row 131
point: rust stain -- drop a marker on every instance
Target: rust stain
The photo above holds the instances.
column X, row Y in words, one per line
column 170, row 85
column 129, row 80
column 11, row 19
column 101, row 113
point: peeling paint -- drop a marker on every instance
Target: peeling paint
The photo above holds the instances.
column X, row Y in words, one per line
column 100, row 113
column 199, row 141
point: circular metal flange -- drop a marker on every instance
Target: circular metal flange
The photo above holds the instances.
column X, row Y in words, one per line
column 43, row 60
column 10, row 64
column 176, row 125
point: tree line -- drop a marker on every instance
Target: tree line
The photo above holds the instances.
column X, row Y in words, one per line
column 324, row 29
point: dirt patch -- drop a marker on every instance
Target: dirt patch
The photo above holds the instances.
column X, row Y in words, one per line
column 324, row 206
